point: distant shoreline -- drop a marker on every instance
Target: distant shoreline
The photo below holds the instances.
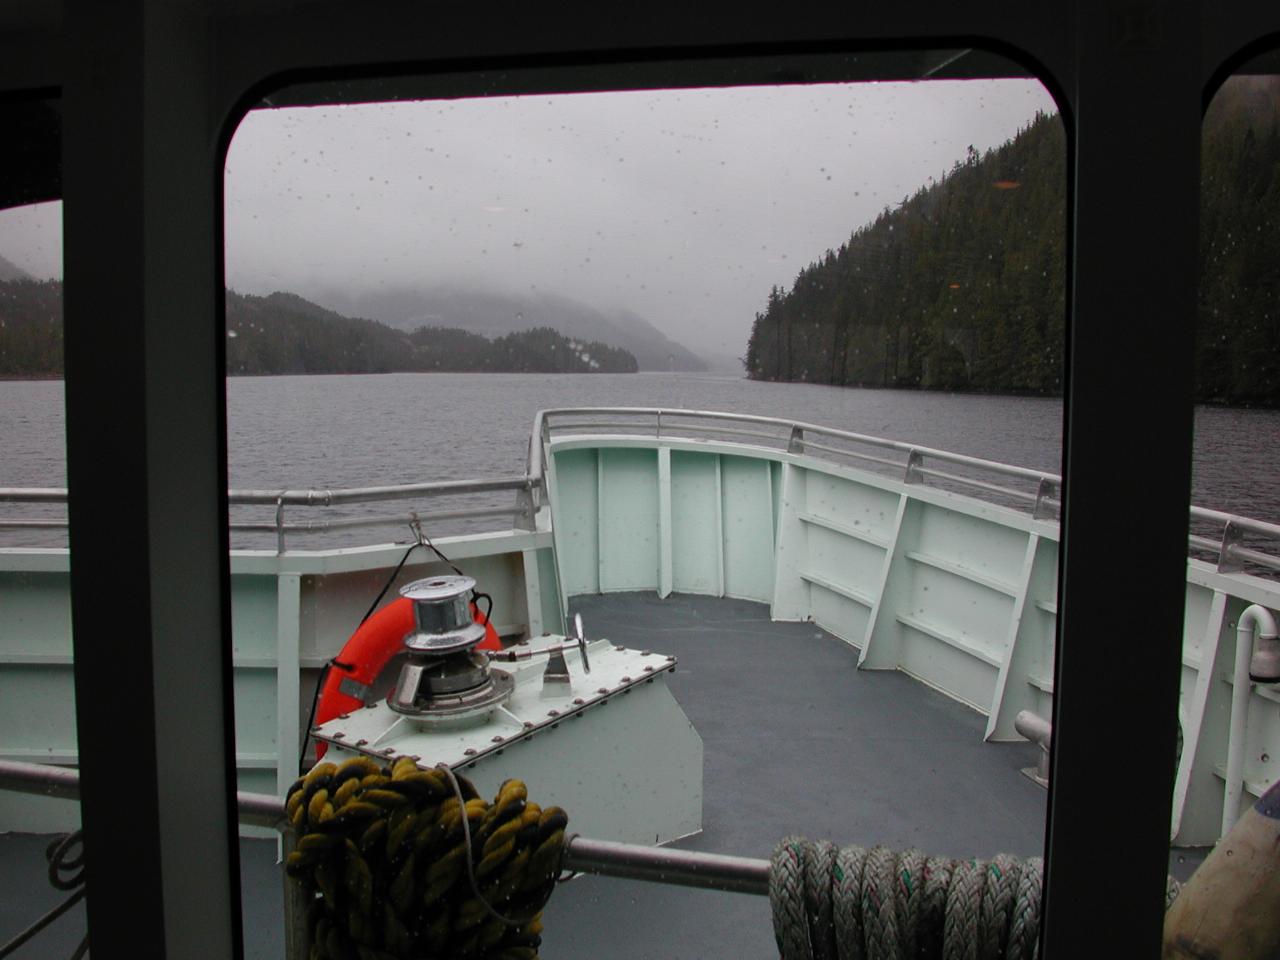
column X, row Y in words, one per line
column 21, row 377
column 1028, row 394
column 1024, row 394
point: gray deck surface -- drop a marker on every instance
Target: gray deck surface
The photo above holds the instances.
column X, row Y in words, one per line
column 797, row 740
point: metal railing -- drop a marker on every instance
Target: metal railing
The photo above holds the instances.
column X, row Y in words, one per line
column 1235, row 549
column 688, row 868
column 522, row 512
column 799, row 437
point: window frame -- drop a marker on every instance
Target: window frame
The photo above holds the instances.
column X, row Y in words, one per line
column 150, row 93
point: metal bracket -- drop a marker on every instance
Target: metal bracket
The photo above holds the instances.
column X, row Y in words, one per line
column 915, row 460
column 1047, row 504
column 795, row 443
column 526, row 512
column 352, row 687
column 1228, row 562
column 279, row 526
column 415, row 527
column 557, row 669
column 580, row 635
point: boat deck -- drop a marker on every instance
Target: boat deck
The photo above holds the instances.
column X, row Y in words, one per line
column 796, row 741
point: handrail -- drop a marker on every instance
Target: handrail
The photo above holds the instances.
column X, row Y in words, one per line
column 687, row 868
column 311, row 498
column 1248, row 524
column 522, row 486
column 328, row 498
column 793, row 435
column 63, row 783
column 541, row 423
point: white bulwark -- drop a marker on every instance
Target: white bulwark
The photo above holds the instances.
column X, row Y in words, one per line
column 941, row 566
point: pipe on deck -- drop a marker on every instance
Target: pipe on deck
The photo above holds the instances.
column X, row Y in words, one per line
column 1250, row 666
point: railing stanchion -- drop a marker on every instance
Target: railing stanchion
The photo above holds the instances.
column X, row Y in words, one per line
column 526, row 512
column 915, row 459
column 1232, row 537
column 280, row 526
column 1045, row 508
column 795, row 443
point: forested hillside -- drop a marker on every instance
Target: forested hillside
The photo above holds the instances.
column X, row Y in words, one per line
column 30, row 328
column 961, row 286
column 283, row 333
column 1238, row 343
column 493, row 314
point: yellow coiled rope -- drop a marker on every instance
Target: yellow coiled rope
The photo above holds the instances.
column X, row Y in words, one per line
column 401, row 862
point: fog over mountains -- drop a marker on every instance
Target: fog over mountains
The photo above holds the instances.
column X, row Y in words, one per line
column 11, row 271
column 493, row 314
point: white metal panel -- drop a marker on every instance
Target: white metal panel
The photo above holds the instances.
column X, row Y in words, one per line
column 552, row 597
column 790, row 592
column 630, row 771
column 1198, row 795
column 575, row 491
column 838, row 613
column 695, row 523
column 950, row 669
column 862, row 509
column 288, row 686
column 855, row 565
column 532, row 591
column 747, row 527
column 628, row 525
column 1030, row 647
column 880, row 651
column 666, row 575
column 615, row 750
column 987, row 551
column 35, row 611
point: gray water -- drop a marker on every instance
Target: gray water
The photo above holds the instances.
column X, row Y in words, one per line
column 362, row 430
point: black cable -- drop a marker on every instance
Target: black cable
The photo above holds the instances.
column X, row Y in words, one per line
column 387, row 586
column 65, row 873
column 335, row 662
column 476, row 597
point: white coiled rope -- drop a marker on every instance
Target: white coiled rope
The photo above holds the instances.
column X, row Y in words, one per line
column 857, row 904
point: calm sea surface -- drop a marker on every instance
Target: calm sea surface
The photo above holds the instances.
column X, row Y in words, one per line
column 338, row 431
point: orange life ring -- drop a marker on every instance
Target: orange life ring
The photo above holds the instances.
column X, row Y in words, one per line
column 367, row 652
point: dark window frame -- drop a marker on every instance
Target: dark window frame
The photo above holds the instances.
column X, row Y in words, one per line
column 148, row 92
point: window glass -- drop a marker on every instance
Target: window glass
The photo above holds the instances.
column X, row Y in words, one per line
column 865, row 284
column 1228, row 718
column 37, row 707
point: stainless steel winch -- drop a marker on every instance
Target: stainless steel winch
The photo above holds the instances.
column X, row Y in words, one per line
column 444, row 677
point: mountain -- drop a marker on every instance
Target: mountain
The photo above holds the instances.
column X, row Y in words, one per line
column 11, row 271
column 961, row 286
column 495, row 314
column 284, row 333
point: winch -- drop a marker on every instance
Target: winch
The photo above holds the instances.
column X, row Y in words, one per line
column 444, row 677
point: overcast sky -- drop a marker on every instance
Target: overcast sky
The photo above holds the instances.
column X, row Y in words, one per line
column 684, row 206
